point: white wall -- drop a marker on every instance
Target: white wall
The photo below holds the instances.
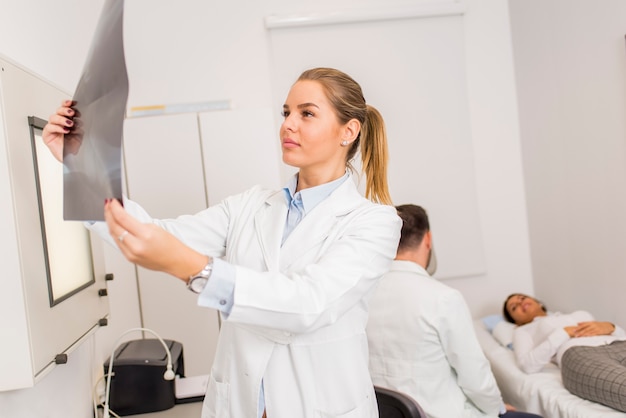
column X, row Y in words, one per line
column 499, row 180
column 238, row 69
column 570, row 58
column 224, row 54
column 49, row 38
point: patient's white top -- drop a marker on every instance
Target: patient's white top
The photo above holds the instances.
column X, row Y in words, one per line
column 545, row 340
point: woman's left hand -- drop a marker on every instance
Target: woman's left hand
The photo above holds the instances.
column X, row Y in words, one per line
column 588, row 329
column 150, row 246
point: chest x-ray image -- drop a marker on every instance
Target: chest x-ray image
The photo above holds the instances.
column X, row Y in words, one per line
column 93, row 148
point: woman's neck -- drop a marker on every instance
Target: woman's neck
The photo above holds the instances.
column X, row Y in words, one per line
column 308, row 178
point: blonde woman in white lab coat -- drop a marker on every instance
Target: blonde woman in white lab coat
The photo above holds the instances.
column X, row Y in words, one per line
column 290, row 270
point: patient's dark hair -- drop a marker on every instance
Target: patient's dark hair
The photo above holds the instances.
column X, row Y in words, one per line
column 505, row 311
column 414, row 226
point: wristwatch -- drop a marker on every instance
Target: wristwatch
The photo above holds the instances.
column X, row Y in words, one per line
column 197, row 282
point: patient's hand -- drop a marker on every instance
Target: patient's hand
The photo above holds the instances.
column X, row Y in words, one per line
column 590, row 328
column 509, row 408
column 571, row 330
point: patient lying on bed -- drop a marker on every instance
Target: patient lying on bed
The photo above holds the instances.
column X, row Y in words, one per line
column 591, row 354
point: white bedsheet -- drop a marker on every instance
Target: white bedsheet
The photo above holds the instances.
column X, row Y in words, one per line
column 540, row 393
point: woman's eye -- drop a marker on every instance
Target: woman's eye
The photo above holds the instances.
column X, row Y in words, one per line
column 284, row 113
column 307, row 114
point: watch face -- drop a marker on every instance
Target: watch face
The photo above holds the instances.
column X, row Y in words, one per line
column 197, row 284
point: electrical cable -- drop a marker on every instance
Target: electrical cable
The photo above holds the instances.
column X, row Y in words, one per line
column 168, row 375
column 96, row 404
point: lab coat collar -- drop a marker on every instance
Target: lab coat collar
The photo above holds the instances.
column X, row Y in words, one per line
column 408, row 266
column 314, row 227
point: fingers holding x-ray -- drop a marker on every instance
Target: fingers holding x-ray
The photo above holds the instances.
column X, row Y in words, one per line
column 148, row 245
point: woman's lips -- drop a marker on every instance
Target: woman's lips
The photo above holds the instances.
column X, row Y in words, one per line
column 289, row 143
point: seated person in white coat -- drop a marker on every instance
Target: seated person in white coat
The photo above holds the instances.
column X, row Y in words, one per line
column 590, row 353
column 421, row 336
column 290, row 270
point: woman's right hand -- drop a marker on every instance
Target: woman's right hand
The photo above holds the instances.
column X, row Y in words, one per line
column 61, row 131
column 150, row 246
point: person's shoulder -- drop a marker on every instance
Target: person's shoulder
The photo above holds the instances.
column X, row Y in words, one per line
column 436, row 285
column 433, row 289
column 351, row 199
column 449, row 294
column 364, row 211
column 383, row 210
column 426, row 294
column 255, row 192
column 252, row 198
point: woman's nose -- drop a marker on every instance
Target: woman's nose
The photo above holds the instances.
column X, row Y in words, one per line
column 289, row 123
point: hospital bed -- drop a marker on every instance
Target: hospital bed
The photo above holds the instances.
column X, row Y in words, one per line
column 540, row 393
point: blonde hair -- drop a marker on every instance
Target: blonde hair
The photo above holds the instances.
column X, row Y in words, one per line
column 347, row 98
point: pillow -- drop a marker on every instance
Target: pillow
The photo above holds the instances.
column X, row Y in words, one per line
column 491, row 321
column 503, row 333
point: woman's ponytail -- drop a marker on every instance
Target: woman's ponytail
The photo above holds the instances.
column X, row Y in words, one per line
column 374, row 156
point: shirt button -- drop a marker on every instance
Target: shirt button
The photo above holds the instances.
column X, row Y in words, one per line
column 222, row 302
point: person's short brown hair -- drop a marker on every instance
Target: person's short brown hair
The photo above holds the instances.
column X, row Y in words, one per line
column 415, row 225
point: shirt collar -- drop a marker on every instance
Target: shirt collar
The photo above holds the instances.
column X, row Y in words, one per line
column 312, row 196
column 405, row 265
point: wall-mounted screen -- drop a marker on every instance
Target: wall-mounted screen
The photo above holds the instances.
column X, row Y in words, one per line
column 67, row 247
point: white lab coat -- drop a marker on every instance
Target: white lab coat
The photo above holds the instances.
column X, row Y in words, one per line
column 300, row 310
column 422, row 343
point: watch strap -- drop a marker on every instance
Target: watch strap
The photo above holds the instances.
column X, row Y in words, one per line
column 203, row 276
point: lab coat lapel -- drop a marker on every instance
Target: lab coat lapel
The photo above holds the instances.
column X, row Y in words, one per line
column 317, row 225
column 269, row 223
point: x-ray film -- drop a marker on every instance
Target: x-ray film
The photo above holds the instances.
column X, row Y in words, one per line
column 93, row 148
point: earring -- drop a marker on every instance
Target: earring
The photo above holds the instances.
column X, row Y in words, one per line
column 344, row 143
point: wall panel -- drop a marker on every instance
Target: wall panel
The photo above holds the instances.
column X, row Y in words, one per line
column 413, row 71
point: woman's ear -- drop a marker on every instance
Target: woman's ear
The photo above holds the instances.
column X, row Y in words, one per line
column 351, row 130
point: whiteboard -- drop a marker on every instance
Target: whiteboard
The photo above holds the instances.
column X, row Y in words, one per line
column 419, row 87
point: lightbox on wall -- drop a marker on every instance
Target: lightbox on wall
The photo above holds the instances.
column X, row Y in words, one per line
column 66, row 244
column 53, row 288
